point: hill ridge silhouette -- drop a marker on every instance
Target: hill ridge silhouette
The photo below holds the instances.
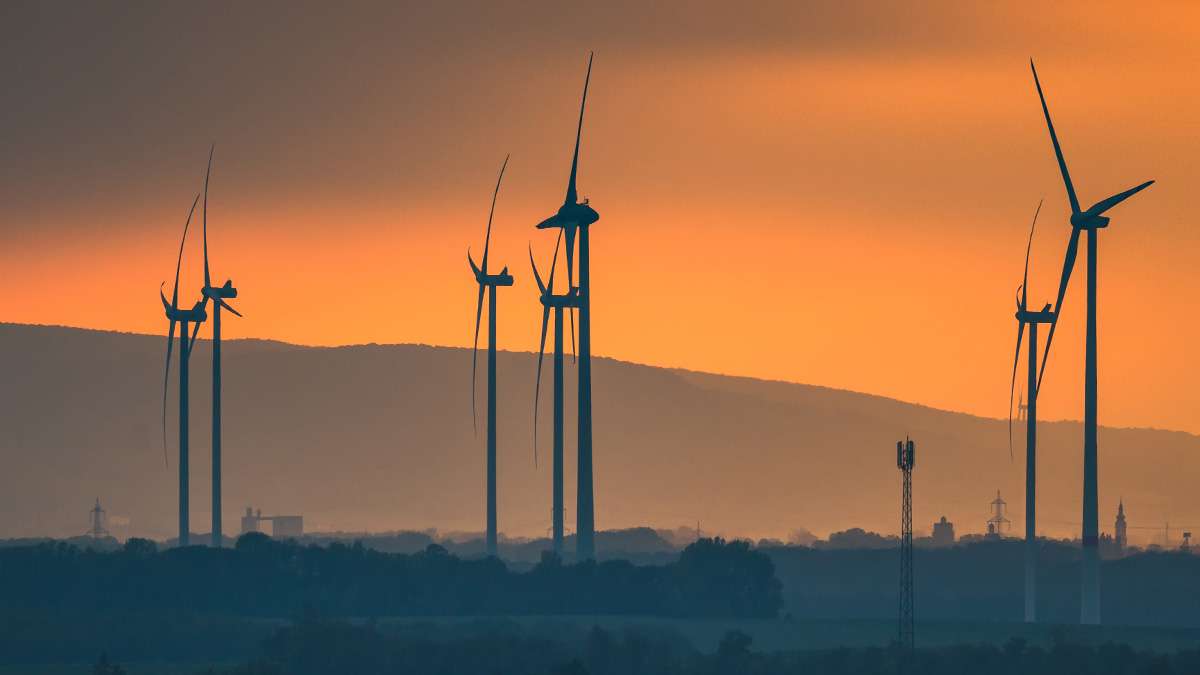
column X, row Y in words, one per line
column 378, row 437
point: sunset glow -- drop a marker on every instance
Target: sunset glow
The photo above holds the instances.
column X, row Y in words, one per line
column 780, row 207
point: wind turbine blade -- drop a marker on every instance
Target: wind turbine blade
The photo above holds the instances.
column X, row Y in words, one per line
column 1028, row 248
column 536, row 277
column 179, row 260
column 192, row 340
column 207, row 173
column 554, row 261
column 475, row 355
column 552, row 221
column 537, row 388
column 572, row 194
column 573, row 334
column 196, row 328
column 569, row 231
column 166, row 384
column 1062, row 162
column 1106, row 204
column 1068, row 265
column 471, row 261
column 1013, row 386
column 227, row 306
column 487, row 241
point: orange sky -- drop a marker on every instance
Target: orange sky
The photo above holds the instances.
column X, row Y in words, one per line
column 829, row 193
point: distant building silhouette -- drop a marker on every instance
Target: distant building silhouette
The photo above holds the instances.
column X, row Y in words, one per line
column 281, row 526
column 943, row 533
column 250, row 521
column 1108, row 546
column 97, row 529
column 287, row 526
column 1122, row 539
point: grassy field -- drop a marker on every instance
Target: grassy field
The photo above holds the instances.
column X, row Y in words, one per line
column 705, row 634
column 777, row 635
column 86, row 669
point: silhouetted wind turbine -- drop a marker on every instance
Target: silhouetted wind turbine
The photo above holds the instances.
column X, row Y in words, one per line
column 489, row 282
column 550, row 301
column 218, row 295
column 175, row 315
column 1024, row 316
column 1091, row 220
column 572, row 216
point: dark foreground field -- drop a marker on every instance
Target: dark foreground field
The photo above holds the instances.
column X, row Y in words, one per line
column 272, row 608
column 612, row 645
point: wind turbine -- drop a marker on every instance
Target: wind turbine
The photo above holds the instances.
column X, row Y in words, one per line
column 218, row 295
column 489, row 282
column 183, row 317
column 575, row 216
column 550, row 301
column 1091, row 220
column 1032, row 319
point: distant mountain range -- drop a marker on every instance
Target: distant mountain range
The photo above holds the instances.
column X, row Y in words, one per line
column 379, row 437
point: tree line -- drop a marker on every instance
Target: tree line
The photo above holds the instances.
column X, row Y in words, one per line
column 262, row 577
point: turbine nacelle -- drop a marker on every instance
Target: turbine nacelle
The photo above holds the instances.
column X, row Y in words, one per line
column 571, row 216
column 502, row 279
column 196, row 314
column 220, row 292
column 484, row 279
column 1043, row 316
column 568, row 301
column 1087, row 221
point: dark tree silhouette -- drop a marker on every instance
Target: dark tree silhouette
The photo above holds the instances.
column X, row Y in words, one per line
column 262, row 577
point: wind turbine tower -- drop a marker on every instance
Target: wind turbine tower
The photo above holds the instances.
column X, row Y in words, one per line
column 218, row 295
column 1031, row 319
column 489, row 282
column 196, row 315
column 1092, row 220
column 556, row 303
column 575, row 216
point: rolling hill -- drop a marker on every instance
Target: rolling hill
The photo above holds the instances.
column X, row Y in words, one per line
column 379, row 437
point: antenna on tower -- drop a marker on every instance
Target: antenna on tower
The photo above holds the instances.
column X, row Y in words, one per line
column 905, row 461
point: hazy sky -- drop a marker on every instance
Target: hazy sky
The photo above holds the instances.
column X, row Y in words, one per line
column 834, row 193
